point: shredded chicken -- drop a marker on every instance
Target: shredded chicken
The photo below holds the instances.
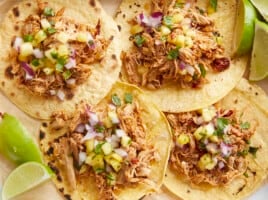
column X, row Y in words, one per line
column 48, row 84
column 157, row 60
column 136, row 166
column 185, row 159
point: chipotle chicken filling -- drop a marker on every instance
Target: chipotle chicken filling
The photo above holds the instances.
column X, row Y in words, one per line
column 53, row 54
column 107, row 143
column 176, row 44
column 210, row 146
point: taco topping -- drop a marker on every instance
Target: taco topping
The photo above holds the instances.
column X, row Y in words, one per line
column 177, row 44
column 211, row 145
column 53, row 53
column 107, row 143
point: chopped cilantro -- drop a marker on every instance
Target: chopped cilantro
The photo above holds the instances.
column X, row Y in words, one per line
column 62, row 60
column 221, row 124
column 139, row 40
column 98, row 149
column 48, row 12
column 179, row 5
column 253, row 150
column 243, row 153
column 167, row 20
column 99, row 128
column 54, row 54
column 98, row 170
column 67, row 74
column 28, row 38
column 173, row 54
column 128, row 98
column 202, row 70
column 51, row 30
column 35, row 62
column 246, row 174
column 245, row 125
column 202, row 145
column 59, row 67
column 110, row 177
column 213, row 4
column 116, row 100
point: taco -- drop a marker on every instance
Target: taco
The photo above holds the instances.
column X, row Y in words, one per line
column 55, row 54
column 178, row 53
column 116, row 149
column 220, row 152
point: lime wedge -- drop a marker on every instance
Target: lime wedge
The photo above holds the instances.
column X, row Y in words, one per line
column 262, row 7
column 244, row 28
column 24, row 178
column 259, row 57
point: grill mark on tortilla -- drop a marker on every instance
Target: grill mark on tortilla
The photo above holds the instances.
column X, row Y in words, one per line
column 12, row 94
column 240, row 189
column 92, row 3
column 8, row 72
column 28, row 4
column 111, row 38
column 44, row 124
column 3, row 83
column 69, row 94
column 124, row 15
column 142, row 197
column 59, row 178
column 67, row 197
column 50, row 151
column 53, row 168
column 16, row 27
column 16, row 11
column 188, row 191
column 117, row 13
column 37, row 114
column 42, row 135
column 61, row 190
column 113, row 56
column 119, row 27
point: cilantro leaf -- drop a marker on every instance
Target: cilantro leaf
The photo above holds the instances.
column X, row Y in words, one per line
column 139, row 40
column 99, row 128
column 253, row 150
column 48, row 12
column 203, row 70
column 245, row 125
column 167, row 20
column 116, row 100
column 221, row 124
column 98, row 149
column 67, row 74
column 213, row 4
column 173, row 54
column 128, row 98
column 28, row 38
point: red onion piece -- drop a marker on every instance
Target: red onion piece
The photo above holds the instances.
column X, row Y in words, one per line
column 190, row 70
column 52, row 92
column 38, row 53
column 17, row 43
column 221, row 165
column 182, row 65
column 61, row 95
column 70, row 64
column 212, row 148
column 121, row 152
column 73, row 53
column 152, row 21
column 225, row 149
column 88, row 136
column 29, row 71
column 80, row 128
column 93, row 118
column 71, row 81
column 120, row 133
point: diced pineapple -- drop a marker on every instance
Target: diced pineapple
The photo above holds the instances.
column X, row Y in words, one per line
column 98, row 162
column 136, row 29
column 107, row 122
column 107, row 148
column 209, row 129
column 40, row 36
column 208, row 113
column 165, row 30
column 48, row 71
column 90, row 145
column 183, row 139
column 89, row 159
column 45, row 23
column 190, row 33
column 178, row 40
column 200, row 133
column 63, row 37
column 26, row 49
column 177, row 18
column 22, row 58
column 116, row 165
column 63, row 50
column 214, row 138
column 125, row 141
column 113, row 116
column 189, row 42
column 204, row 161
column 83, row 37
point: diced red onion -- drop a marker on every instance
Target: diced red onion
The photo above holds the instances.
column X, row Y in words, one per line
column 182, row 65
column 198, row 120
column 38, row 53
column 221, row 165
column 29, row 71
column 80, row 128
column 82, row 157
column 114, row 141
column 17, row 43
column 88, row 136
column 158, row 42
column 73, row 53
column 71, row 81
column 108, row 168
column 187, row 5
column 93, row 118
column 52, row 92
column 112, row 107
column 120, row 133
column 70, row 64
column 121, row 152
column 61, row 95
column 225, row 149
column 96, row 142
column 89, row 128
column 108, row 139
column 152, row 21
column 190, row 69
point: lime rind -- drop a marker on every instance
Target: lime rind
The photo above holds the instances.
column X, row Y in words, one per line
column 262, row 7
column 24, row 178
column 259, row 57
column 244, row 28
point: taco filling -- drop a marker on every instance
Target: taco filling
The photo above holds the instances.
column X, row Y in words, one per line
column 175, row 44
column 52, row 55
column 211, row 145
column 108, row 143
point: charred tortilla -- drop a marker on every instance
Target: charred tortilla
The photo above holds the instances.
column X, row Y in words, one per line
column 56, row 54
column 231, row 162
column 177, row 53
column 119, row 148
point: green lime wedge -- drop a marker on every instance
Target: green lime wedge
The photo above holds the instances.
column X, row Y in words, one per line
column 24, row 178
column 244, row 28
column 16, row 143
column 259, row 57
column 262, row 7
